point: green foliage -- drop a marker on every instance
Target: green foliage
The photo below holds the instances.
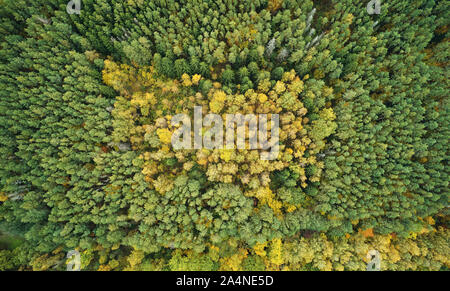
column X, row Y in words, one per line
column 85, row 101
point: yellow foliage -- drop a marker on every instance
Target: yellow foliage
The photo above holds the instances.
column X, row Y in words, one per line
column 233, row 263
column 163, row 184
column 3, row 197
column 259, row 249
column 165, row 136
column 279, row 87
column 290, row 208
column 135, row 258
column 266, row 196
column 327, row 114
column 186, row 80
column 196, row 78
column 274, row 5
column 275, row 256
column 217, row 101
column 226, row 154
column 104, row 268
column 214, row 253
column 429, row 220
column 118, row 76
column 349, row 18
column 262, row 97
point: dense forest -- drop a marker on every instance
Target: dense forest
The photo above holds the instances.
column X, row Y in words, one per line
column 86, row 102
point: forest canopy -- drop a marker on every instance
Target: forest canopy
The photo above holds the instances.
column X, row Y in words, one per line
column 87, row 99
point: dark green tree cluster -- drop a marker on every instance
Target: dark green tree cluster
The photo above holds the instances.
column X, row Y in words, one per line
column 386, row 165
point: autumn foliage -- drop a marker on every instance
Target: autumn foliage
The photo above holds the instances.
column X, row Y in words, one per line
column 86, row 109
